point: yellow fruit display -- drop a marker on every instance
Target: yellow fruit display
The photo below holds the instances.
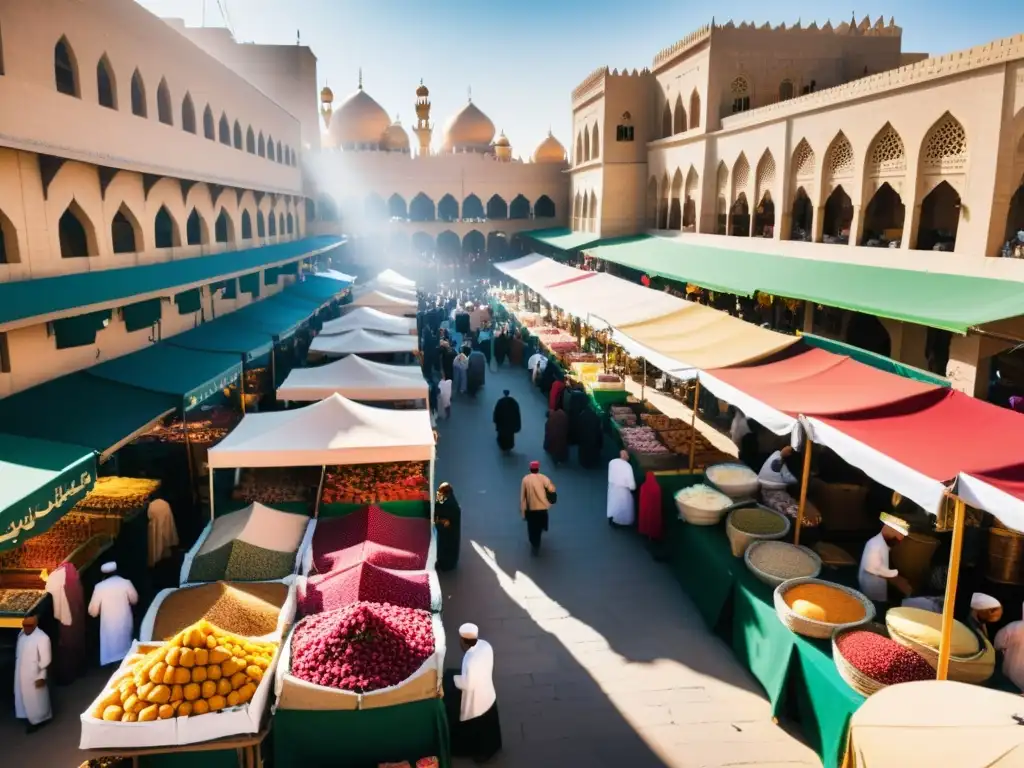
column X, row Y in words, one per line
column 200, row 670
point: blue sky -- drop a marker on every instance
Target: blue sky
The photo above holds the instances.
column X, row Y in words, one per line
column 522, row 59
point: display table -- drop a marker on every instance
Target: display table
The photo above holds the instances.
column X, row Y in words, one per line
column 229, row 752
column 797, row 673
column 362, row 738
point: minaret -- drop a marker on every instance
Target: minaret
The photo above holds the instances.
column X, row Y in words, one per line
column 423, row 128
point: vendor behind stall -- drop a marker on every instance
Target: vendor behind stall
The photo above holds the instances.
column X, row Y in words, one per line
column 875, row 575
column 779, row 481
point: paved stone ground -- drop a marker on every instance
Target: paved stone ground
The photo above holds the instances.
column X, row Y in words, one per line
column 600, row 658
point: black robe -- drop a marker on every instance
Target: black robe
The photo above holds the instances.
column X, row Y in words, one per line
column 590, row 438
column 448, row 362
column 448, row 522
column 507, row 422
column 476, row 372
column 501, row 348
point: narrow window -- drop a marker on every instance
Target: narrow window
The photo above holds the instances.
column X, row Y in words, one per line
column 64, row 70
column 291, row 224
column 194, row 229
column 208, row 130
column 261, row 226
column 163, row 104
column 250, row 141
column 188, row 114
column 5, row 354
column 105, row 84
column 138, row 95
column 273, row 225
column 164, row 229
column 270, row 148
column 222, row 229
column 225, row 130
column 122, row 233
column 74, row 241
column 246, row 226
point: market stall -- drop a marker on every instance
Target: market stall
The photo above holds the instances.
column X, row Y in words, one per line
column 363, row 342
column 386, row 302
column 357, row 379
column 370, row 319
column 391, row 278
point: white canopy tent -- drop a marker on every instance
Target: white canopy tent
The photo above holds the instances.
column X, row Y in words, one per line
column 332, row 432
column 370, row 319
column 357, row 379
column 537, row 272
column 363, row 342
column 392, row 278
column 385, row 302
column 603, row 300
column 391, row 290
column 336, row 275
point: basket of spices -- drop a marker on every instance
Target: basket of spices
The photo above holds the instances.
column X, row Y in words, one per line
column 736, row 481
column 972, row 659
column 701, row 505
column 869, row 660
column 817, row 608
column 746, row 525
column 774, row 562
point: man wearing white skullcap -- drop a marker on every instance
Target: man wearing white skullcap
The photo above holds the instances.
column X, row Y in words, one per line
column 1010, row 640
column 471, row 701
column 875, row 574
column 112, row 602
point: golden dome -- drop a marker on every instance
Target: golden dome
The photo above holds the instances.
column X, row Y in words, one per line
column 468, row 129
column 549, row 151
column 326, row 95
column 502, row 141
column 395, row 138
column 358, row 120
column 422, row 92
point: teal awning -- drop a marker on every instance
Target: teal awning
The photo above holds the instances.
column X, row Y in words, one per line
column 80, row 330
column 84, row 410
column 30, row 298
column 39, row 481
column 190, row 375
column 141, row 314
column 938, row 300
column 222, row 336
column 563, row 238
column 318, row 289
column 277, row 316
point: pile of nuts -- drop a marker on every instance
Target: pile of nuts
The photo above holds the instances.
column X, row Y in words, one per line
column 882, row 659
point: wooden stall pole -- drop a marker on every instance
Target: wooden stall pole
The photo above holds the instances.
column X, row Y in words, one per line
column 942, row 670
column 241, row 389
column 804, row 481
column 319, row 491
column 693, row 425
column 209, row 471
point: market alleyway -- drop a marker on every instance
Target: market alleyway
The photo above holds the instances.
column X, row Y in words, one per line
column 600, row 659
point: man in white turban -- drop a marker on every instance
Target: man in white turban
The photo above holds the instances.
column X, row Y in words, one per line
column 471, row 701
column 32, row 657
column 112, row 602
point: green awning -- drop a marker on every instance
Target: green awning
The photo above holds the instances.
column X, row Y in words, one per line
column 318, row 289
column 22, row 299
column 250, row 284
column 950, row 302
column 83, row 410
column 80, row 330
column 222, row 336
column 881, row 362
column 276, row 316
column 190, row 375
column 563, row 238
column 39, row 481
column 189, row 301
column 141, row 314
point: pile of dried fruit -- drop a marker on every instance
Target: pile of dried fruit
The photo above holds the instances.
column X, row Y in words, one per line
column 249, row 610
column 642, row 440
column 19, row 601
column 201, row 669
column 882, row 659
column 362, row 647
column 365, row 582
column 623, row 415
column 276, row 486
column 367, row 483
column 50, row 549
column 119, row 494
column 371, row 535
column 209, row 428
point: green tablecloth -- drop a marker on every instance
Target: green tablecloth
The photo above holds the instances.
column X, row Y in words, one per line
column 797, row 673
column 220, row 758
column 397, row 508
column 363, row 738
column 603, row 399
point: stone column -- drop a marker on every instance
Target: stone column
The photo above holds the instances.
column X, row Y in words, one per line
column 809, row 307
column 856, row 224
column 819, row 223
column 967, row 370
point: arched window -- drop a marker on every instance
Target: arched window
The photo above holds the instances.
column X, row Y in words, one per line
column 786, row 91
column 8, row 241
column 273, row 225
column 194, row 229
column 138, row 95
column 270, row 148
column 246, row 226
column 740, row 90
column 65, row 71
column 544, row 208
column 105, row 89
column 280, row 223
column 122, row 231
column 261, row 146
column 595, row 143
column 238, row 135
column 208, row 129
column 250, row 141
column 164, row 231
column 164, row 113
column 223, row 232
column 73, row 232
column 261, row 225
column 287, row 155
column 188, row 114
column 280, row 156
column 291, row 224
column 225, row 130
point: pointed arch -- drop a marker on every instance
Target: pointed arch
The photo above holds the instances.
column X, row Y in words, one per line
column 65, row 69
column 237, row 135
column 188, row 114
column 270, row 148
column 740, row 176
column 261, row 146
column 280, row 223
column 76, row 233
column 886, row 154
column 397, row 209
column 579, row 148
column 106, row 83
column 884, row 216
column 675, row 206
column 666, row 120
column 474, row 242
column 290, row 223
column 595, row 143
column 250, row 141
column 272, row 223
column 280, row 157
column 694, row 110
column 839, row 161
column 585, row 218
column 944, row 150
column 9, row 249
column 448, row 209
column 472, row 208
column 721, row 199
column 139, row 106
column 577, row 212
column 224, row 228
column 165, row 229
column 196, row 229
column 246, row 226
column 679, row 117
column 261, row 224
column 421, row 208
column 209, row 129
column 125, row 232
column 739, row 217
column 940, row 218
column 802, row 216
column 519, row 208
column 803, row 161
column 837, row 217
column 164, row 112
column 765, row 176
column 586, row 142
column 225, row 130
column 544, row 208
column 497, row 208
column 652, row 203
column 690, row 192
column 595, row 217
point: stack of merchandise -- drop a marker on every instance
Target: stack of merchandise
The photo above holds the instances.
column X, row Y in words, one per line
column 374, row 536
column 277, row 485
column 368, row 583
column 206, row 428
column 74, row 538
column 556, row 340
column 249, row 610
column 368, row 483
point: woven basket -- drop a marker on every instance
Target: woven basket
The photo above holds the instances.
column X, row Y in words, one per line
column 821, row 630
column 740, row 540
column 774, row 581
column 854, row 678
column 976, row 668
column 697, row 516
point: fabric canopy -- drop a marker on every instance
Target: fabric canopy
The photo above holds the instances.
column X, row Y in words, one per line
column 332, row 432
column 280, row 315
column 563, row 238
column 317, row 289
column 395, row 305
column 363, row 342
column 370, row 319
column 397, row 291
column 334, row 274
column 610, row 301
column 537, row 272
column 218, row 336
column 390, row 277
column 39, row 482
column 357, row 379
column 702, row 337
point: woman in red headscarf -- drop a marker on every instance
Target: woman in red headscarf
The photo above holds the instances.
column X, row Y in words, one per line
column 650, row 523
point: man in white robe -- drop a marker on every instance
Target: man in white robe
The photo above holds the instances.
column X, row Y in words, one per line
column 874, row 574
column 475, row 727
column 444, row 398
column 32, row 658
column 112, row 602
column 621, row 484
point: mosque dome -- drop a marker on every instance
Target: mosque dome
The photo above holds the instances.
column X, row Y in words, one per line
column 422, row 92
column 549, row 151
column 502, row 141
column 326, row 95
column 468, row 129
column 503, row 148
column 358, row 120
column 395, row 138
